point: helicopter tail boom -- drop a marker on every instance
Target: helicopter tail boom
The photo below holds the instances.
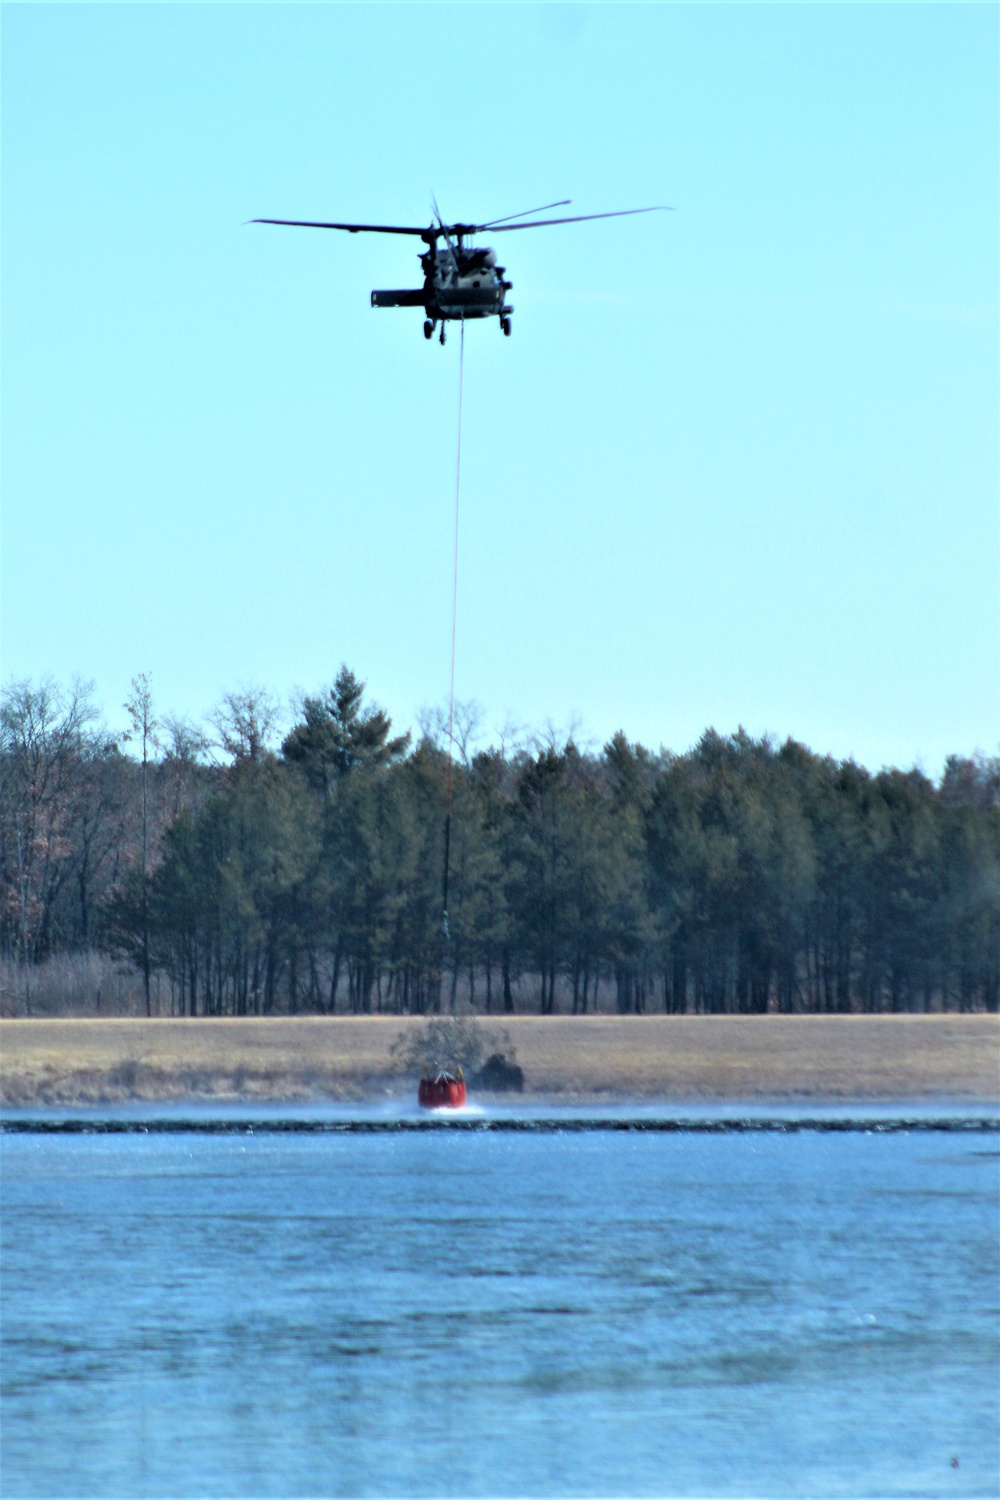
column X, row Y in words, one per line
column 399, row 299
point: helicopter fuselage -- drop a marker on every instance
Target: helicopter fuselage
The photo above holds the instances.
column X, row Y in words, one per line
column 468, row 284
column 460, row 283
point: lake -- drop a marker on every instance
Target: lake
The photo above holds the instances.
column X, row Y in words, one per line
column 574, row 1312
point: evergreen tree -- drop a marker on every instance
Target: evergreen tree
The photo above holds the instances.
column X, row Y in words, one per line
column 338, row 735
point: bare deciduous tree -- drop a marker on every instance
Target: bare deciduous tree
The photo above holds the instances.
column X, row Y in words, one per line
column 144, row 730
column 43, row 732
column 246, row 721
column 466, row 728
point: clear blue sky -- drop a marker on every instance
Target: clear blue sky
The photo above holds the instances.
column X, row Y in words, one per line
column 737, row 464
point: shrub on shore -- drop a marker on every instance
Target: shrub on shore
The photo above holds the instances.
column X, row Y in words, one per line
column 444, row 1043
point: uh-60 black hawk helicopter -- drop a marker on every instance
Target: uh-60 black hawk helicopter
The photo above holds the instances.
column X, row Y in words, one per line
column 461, row 281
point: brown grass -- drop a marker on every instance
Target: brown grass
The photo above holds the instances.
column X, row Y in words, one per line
column 664, row 1057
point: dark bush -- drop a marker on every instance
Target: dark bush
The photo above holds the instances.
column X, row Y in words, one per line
column 498, row 1076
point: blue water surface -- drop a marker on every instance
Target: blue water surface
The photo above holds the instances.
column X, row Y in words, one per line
column 444, row 1314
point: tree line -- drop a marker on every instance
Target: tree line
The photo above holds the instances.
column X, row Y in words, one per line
column 239, row 876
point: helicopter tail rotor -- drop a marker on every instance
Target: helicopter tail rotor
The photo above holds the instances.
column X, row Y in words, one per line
column 444, row 231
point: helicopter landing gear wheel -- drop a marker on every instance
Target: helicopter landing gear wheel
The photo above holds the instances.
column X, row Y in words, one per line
column 428, row 329
column 441, row 334
column 505, row 325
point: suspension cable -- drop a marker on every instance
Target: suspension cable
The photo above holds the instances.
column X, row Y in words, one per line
column 454, row 622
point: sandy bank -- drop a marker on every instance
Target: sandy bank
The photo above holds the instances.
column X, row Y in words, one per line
column 663, row 1057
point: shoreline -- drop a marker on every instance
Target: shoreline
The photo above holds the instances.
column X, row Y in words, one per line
column 669, row 1059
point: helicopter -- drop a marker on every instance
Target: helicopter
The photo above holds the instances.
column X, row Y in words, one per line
column 461, row 281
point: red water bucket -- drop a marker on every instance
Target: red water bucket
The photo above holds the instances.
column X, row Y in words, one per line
column 443, row 1091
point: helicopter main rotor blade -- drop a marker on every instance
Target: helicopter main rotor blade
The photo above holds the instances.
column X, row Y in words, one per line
column 579, row 218
column 351, row 228
column 503, row 220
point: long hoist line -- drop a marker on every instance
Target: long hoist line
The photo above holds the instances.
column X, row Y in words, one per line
column 454, row 622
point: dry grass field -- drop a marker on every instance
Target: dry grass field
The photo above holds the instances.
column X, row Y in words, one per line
column 663, row 1057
